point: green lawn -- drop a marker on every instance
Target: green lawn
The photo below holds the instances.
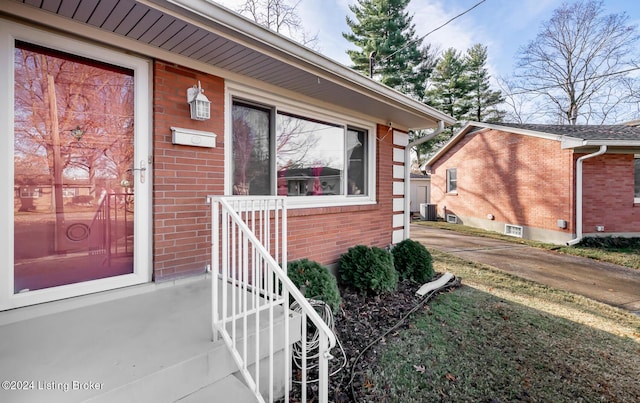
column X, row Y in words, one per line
column 499, row 338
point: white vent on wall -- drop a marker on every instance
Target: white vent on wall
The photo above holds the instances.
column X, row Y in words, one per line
column 453, row 219
column 513, row 230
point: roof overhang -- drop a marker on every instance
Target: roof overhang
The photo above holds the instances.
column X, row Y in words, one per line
column 478, row 126
column 236, row 48
column 576, row 143
column 566, row 142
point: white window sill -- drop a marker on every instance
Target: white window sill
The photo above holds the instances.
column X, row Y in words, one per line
column 301, row 202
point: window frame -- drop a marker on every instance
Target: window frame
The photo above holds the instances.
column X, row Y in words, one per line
column 452, row 189
column 10, row 32
column 281, row 104
column 69, row 192
column 30, row 193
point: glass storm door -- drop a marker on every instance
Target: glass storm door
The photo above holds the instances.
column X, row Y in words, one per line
column 75, row 174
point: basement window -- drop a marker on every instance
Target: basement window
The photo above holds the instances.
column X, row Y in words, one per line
column 513, row 230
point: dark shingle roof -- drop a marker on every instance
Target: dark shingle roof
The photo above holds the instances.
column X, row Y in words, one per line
column 575, row 137
column 585, row 132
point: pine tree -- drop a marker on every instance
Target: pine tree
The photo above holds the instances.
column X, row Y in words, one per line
column 385, row 29
column 484, row 101
column 450, row 87
column 449, row 90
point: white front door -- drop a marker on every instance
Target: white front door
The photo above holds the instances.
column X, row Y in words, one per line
column 78, row 170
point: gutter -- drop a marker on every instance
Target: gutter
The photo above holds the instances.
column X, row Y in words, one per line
column 407, row 174
column 579, row 235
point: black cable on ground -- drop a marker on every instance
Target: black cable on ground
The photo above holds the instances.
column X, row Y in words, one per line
column 453, row 283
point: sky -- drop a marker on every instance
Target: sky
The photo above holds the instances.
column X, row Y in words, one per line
column 503, row 26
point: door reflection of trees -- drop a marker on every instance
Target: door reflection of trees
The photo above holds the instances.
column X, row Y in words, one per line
column 73, row 142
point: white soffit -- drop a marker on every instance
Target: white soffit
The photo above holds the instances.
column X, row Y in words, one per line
column 209, row 33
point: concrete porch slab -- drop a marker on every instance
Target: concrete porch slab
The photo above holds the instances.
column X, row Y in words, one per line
column 155, row 346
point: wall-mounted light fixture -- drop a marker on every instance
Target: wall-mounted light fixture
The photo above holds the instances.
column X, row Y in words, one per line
column 198, row 103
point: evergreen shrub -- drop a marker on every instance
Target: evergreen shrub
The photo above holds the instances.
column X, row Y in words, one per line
column 413, row 261
column 317, row 281
column 610, row 242
column 368, row 269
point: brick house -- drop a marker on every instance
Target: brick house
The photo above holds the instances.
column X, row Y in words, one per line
column 99, row 92
column 284, row 120
column 546, row 182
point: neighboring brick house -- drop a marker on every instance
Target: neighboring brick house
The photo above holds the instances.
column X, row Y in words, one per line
column 550, row 183
column 119, row 72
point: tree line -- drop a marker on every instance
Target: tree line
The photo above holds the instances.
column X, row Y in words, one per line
column 579, row 69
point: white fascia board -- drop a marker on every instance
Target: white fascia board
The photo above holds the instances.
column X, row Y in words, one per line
column 452, row 141
column 575, row 143
column 525, row 132
column 571, row 142
column 488, row 126
column 252, row 35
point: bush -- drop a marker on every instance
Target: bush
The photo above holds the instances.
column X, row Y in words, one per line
column 413, row 261
column 319, row 283
column 368, row 269
column 610, row 243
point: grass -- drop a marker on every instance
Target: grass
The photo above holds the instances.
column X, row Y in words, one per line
column 500, row 338
column 624, row 256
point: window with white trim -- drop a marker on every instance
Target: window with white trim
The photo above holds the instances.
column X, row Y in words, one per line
column 69, row 192
column 452, row 180
column 289, row 153
column 636, row 162
column 29, row 192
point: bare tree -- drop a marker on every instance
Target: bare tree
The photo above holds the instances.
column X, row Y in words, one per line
column 580, row 63
column 520, row 105
column 280, row 16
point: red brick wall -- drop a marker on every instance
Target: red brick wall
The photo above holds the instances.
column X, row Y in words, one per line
column 326, row 233
column 608, row 189
column 521, row 180
column 184, row 176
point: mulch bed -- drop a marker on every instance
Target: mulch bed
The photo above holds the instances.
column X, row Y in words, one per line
column 362, row 320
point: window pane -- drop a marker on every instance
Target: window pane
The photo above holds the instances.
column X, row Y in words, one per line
column 452, row 180
column 310, row 156
column 73, row 150
column 357, row 157
column 637, row 180
column 251, row 151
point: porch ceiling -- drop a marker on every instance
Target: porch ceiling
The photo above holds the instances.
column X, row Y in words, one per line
column 209, row 33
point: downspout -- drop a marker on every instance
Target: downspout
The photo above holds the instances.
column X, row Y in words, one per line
column 579, row 236
column 407, row 174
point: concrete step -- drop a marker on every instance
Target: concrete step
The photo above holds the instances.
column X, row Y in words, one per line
column 175, row 381
column 227, row 389
column 155, row 346
column 152, row 347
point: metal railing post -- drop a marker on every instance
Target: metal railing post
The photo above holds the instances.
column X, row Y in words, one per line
column 250, row 266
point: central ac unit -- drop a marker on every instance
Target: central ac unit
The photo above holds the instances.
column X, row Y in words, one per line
column 428, row 212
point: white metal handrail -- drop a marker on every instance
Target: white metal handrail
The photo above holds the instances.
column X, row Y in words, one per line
column 250, row 291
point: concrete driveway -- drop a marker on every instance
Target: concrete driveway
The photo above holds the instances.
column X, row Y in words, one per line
column 608, row 283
